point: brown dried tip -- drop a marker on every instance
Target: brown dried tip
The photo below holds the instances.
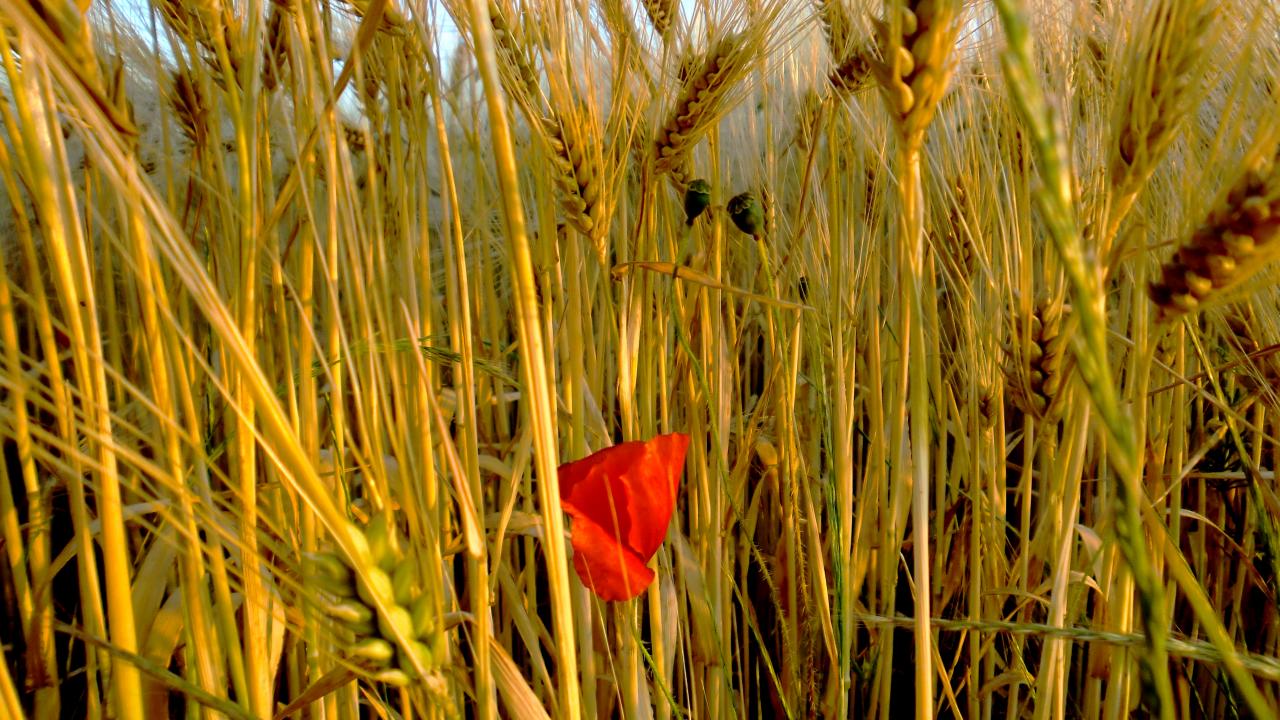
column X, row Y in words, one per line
column 1234, row 243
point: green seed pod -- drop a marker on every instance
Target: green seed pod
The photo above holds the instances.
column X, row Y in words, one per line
column 379, row 586
column 696, row 200
column 356, row 535
column 384, row 542
column 423, row 653
column 352, row 613
column 375, row 650
column 424, row 617
column 440, row 648
column 331, row 574
column 746, row 213
column 405, row 582
column 393, row 676
column 397, row 619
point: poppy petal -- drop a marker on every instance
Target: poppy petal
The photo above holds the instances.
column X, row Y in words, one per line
column 608, row 569
column 622, row 498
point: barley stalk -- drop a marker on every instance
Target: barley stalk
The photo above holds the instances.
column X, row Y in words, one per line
column 1055, row 200
column 916, row 41
column 534, row 371
column 1056, row 203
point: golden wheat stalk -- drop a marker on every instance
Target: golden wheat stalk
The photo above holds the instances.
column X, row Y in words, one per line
column 916, row 43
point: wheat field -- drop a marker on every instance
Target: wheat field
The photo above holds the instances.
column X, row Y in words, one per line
column 966, row 309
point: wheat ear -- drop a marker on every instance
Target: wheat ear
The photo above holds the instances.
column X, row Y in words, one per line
column 1233, row 244
column 515, row 65
column 1038, row 375
column 704, row 97
column 190, row 105
column 851, row 63
column 578, row 172
column 915, row 66
column 661, row 14
column 1159, row 91
column 837, row 25
column 1159, row 88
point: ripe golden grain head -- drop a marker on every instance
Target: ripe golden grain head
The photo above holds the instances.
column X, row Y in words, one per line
column 916, row 45
column 1037, row 370
column 1231, row 245
column 661, row 13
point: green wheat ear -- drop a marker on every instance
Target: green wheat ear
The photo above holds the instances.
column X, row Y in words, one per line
column 746, row 213
column 696, row 199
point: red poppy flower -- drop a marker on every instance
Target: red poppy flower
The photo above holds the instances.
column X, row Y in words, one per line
column 621, row 499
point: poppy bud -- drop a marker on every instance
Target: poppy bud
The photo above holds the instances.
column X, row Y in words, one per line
column 746, row 213
column 696, row 199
